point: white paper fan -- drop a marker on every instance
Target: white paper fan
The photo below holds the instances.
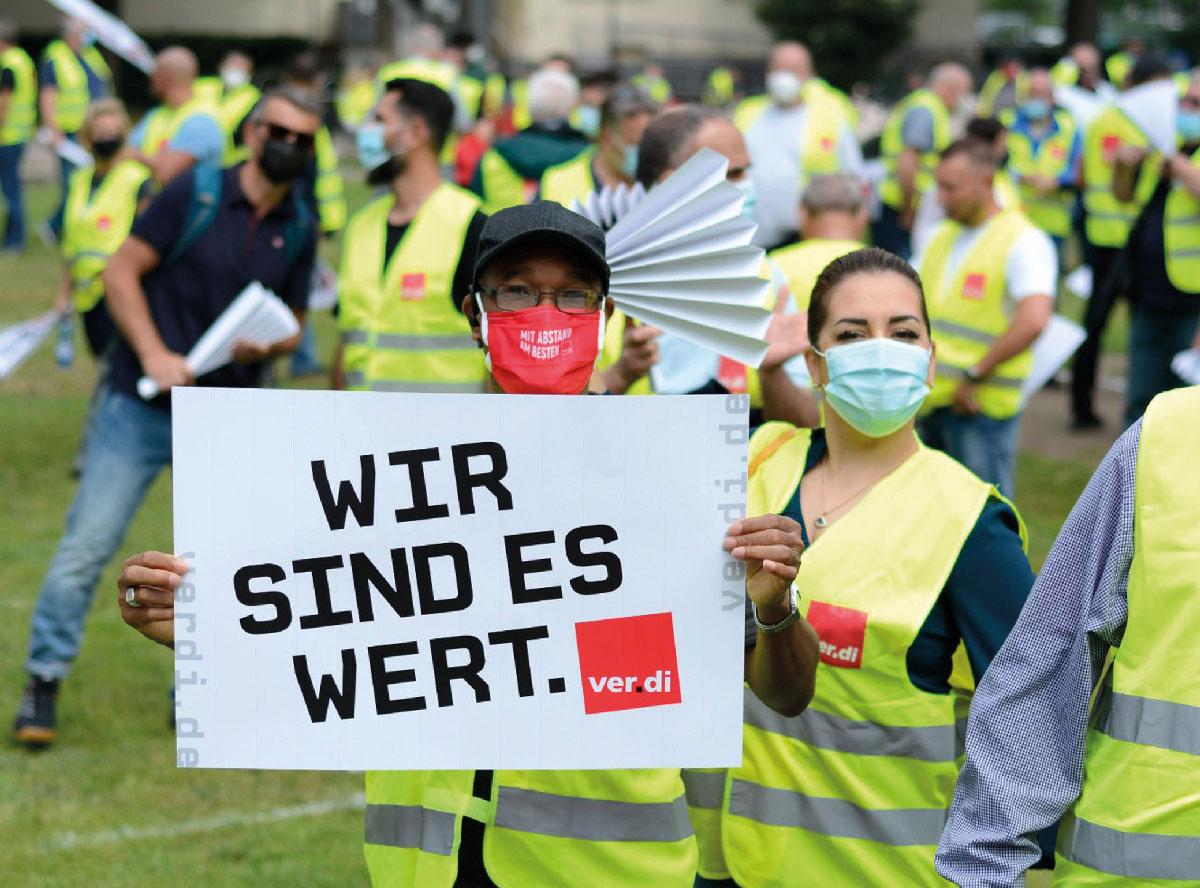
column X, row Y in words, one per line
column 19, row 341
column 681, row 260
column 1153, row 107
column 606, row 206
column 256, row 315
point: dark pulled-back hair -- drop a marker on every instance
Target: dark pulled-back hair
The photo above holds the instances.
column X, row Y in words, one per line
column 430, row 103
column 869, row 260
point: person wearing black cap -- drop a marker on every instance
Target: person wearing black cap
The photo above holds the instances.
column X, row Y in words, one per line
column 542, row 272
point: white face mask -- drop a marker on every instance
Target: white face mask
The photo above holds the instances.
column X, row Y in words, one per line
column 234, row 77
column 784, row 87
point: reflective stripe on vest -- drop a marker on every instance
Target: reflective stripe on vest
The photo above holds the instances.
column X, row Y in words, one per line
column 704, row 789
column 95, row 225
column 1138, row 815
column 410, row 826
column 570, row 180
column 22, row 99
column 1108, row 220
column 858, row 786
column 1181, row 235
column 71, row 82
column 936, row 743
column 400, row 331
column 891, row 146
column 968, row 311
column 1052, row 157
column 593, row 820
column 836, row 818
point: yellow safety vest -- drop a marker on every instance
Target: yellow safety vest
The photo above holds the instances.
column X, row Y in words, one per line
column 658, row 89
column 354, row 102
column 856, row 789
column 470, row 93
column 401, row 331
column 719, row 89
column 164, row 122
column 95, row 225
column 22, row 101
column 1181, row 235
column 570, row 180
column 891, row 146
column 330, row 192
column 504, row 187
column 209, row 88
column 72, row 83
column 1051, row 213
column 802, row 263
column 1137, row 821
column 232, row 110
column 521, row 117
column 544, row 829
column 824, row 125
column 1108, row 220
column 967, row 312
column 993, row 86
column 1117, row 67
column 839, row 98
column 1065, row 72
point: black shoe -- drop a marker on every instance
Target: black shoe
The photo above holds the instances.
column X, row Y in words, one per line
column 1086, row 422
column 35, row 725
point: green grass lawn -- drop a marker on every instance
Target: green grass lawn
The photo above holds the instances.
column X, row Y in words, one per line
column 106, row 806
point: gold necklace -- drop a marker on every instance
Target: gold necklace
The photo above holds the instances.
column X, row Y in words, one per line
column 822, row 519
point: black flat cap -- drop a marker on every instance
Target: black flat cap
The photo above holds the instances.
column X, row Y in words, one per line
column 541, row 222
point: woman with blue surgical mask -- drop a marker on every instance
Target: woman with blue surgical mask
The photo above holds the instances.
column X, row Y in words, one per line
column 913, row 575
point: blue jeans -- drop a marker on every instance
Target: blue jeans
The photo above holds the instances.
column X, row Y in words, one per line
column 986, row 446
column 304, row 358
column 65, row 168
column 1154, row 339
column 128, row 444
column 14, row 200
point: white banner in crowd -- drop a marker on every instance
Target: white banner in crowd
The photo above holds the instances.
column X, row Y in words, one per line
column 21, row 340
column 110, row 31
column 1153, row 108
column 474, row 581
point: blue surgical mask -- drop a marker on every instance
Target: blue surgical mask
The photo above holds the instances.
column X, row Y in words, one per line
column 746, row 186
column 1036, row 109
column 876, row 385
column 588, row 120
column 372, row 153
column 1188, row 125
column 629, row 161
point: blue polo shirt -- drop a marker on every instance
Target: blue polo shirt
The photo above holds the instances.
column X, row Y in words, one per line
column 186, row 296
column 97, row 88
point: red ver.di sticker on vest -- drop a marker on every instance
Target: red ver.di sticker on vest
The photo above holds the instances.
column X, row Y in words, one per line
column 974, row 285
column 412, row 286
column 627, row 663
column 841, row 632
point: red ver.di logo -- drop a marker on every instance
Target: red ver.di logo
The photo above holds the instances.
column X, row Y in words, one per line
column 841, row 632
column 627, row 663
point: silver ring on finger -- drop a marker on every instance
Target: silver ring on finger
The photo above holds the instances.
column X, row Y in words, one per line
column 131, row 597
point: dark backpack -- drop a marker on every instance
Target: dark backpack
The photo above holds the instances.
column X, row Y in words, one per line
column 206, row 199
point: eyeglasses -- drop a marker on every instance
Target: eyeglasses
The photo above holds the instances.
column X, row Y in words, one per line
column 573, row 300
column 304, row 141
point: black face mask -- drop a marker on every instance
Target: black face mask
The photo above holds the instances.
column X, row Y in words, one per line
column 106, row 148
column 282, row 161
column 386, row 171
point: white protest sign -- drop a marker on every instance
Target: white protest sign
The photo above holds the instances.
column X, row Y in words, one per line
column 1052, row 349
column 21, row 340
column 478, row 581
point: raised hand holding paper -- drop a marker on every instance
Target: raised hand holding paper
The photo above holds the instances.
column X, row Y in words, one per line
column 1153, row 108
column 257, row 315
column 456, row 581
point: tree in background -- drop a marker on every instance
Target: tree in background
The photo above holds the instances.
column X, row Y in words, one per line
column 850, row 40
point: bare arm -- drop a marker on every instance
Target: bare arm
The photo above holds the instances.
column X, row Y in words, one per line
column 786, row 401
column 47, row 106
column 166, row 164
column 1030, row 318
column 1186, row 173
column 781, row 669
column 906, row 172
column 130, row 311
column 1126, row 169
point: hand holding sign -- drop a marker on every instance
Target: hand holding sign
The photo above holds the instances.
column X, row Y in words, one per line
column 770, row 546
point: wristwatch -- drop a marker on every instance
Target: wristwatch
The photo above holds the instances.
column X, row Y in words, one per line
column 792, row 617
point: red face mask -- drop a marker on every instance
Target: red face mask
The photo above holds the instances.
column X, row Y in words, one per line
column 541, row 350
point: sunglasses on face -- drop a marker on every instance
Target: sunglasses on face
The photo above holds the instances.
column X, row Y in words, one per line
column 304, row 141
